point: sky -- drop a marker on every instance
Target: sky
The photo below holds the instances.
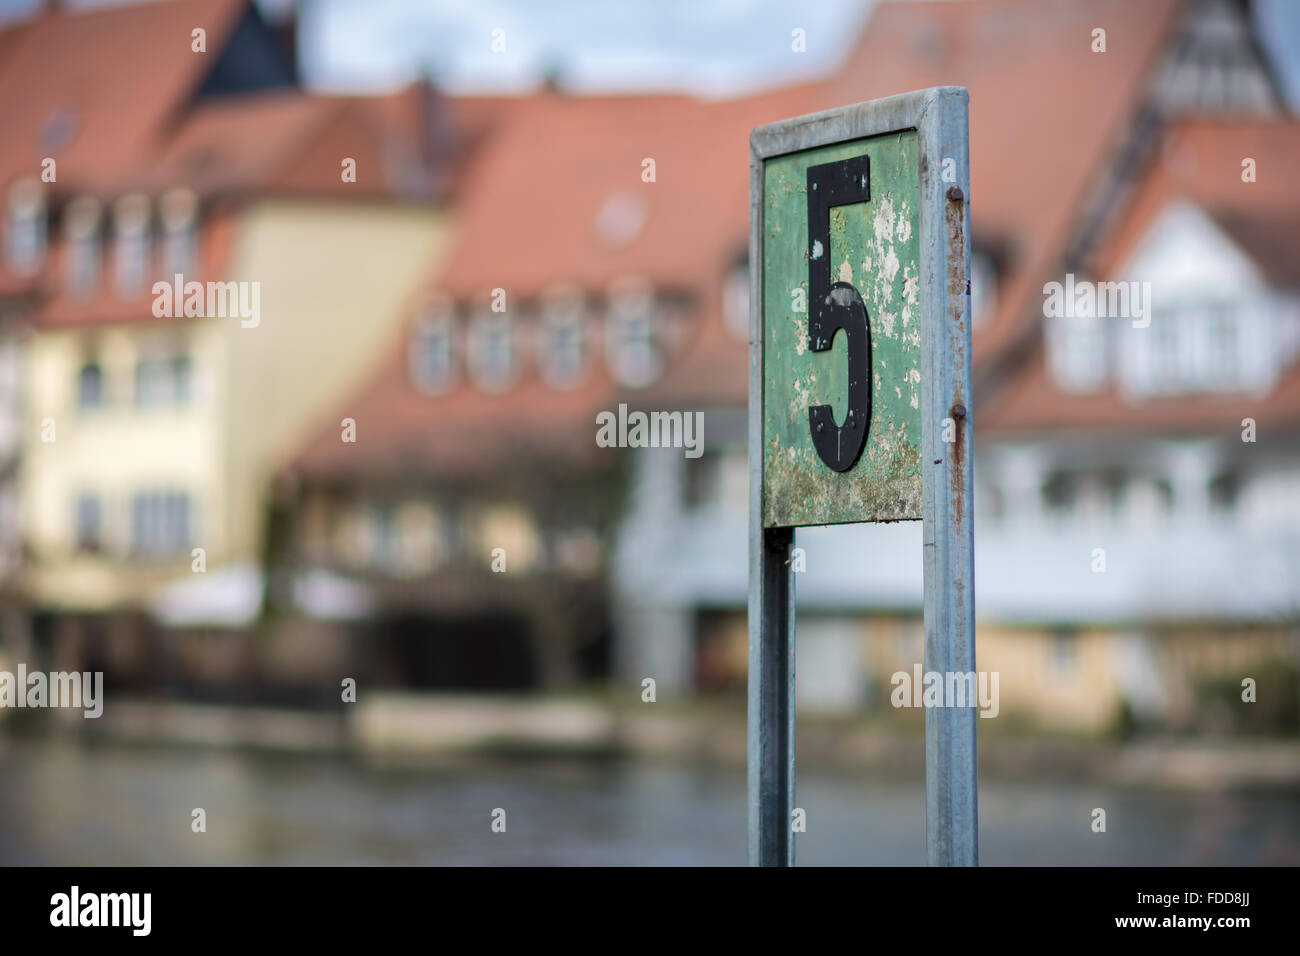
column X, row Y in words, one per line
column 705, row 47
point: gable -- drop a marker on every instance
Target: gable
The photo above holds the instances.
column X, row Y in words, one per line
column 1184, row 254
column 249, row 61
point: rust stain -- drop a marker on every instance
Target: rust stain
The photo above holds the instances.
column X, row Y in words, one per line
column 958, row 414
column 958, row 287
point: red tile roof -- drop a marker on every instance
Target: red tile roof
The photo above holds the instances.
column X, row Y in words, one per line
column 529, row 217
column 108, row 80
column 1200, row 160
column 288, row 142
column 61, row 307
column 108, row 93
column 403, row 434
column 1031, row 402
column 533, row 205
column 1046, row 113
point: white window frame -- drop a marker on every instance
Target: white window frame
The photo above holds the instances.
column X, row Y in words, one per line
column 26, row 229
column 166, row 353
column 155, row 531
column 131, row 243
column 491, row 342
column 1073, row 370
column 436, row 320
column 81, row 227
column 563, row 312
column 179, row 212
column 632, row 348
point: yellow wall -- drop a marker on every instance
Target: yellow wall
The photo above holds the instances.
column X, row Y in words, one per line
column 114, row 451
column 335, row 280
column 1075, row 690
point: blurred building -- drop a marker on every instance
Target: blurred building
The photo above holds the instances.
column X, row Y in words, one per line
column 586, row 272
column 1092, row 434
column 1131, row 547
column 393, row 472
column 172, row 142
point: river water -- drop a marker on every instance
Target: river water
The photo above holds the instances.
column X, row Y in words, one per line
column 65, row 803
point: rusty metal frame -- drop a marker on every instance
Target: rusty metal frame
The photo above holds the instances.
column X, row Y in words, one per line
column 940, row 117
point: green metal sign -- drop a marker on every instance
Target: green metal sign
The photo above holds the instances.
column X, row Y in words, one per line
column 873, row 250
column 859, row 410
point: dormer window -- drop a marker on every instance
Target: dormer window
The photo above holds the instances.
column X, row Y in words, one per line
column 1222, row 350
column 562, row 350
column 630, row 346
column 82, row 231
column 1167, row 353
column 1195, row 345
column 178, row 210
column 430, row 355
column 1078, row 352
column 492, row 362
column 25, row 233
column 131, row 242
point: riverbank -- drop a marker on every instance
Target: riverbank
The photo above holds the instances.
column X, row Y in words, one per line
column 417, row 729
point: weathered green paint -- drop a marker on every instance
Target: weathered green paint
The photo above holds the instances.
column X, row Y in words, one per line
column 876, row 246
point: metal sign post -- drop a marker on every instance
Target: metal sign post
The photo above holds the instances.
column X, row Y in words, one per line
column 859, row 223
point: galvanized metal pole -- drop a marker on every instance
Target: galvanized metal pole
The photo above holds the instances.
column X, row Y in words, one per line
column 950, row 765
column 771, row 702
column 770, row 723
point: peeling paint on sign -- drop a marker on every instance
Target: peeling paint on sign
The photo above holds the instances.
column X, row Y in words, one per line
column 881, row 237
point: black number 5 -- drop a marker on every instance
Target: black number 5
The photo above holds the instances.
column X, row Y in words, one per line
column 832, row 307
